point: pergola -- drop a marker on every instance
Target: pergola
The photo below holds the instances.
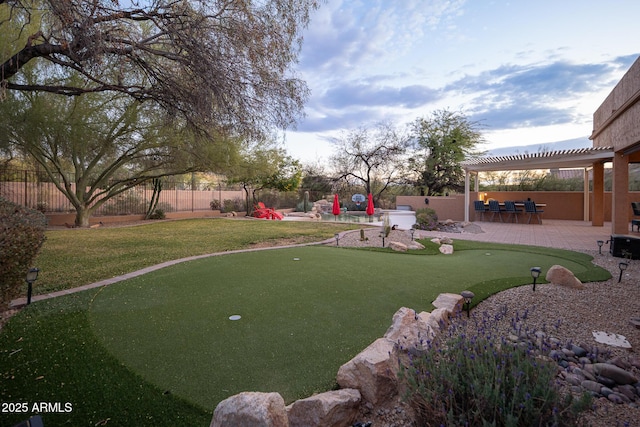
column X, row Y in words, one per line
column 582, row 158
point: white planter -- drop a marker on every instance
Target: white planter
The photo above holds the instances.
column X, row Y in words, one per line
column 403, row 220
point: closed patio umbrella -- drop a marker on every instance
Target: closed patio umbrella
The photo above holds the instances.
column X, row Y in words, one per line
column 336, row 206
column 370, row 208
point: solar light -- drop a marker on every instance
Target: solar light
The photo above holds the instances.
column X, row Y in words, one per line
column 337, row 236
column 535, row 273
column 382, row 235
column 600, row 243
column 32, row 276
column 413, row 231
column 468, row 296
column 622, row 266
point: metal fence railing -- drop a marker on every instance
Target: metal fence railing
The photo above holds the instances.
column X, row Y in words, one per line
column 35, row 190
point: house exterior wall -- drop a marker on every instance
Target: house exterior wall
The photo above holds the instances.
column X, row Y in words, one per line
column 615, row 122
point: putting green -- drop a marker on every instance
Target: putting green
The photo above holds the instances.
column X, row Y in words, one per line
column 304, row 312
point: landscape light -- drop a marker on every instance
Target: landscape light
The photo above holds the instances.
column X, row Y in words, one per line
column 32, row 276
column 622, row 266
column 337, row 236
column 468, row 296
column 382, row 235
column 413, row 231
column 535, row 273
column 600, row 243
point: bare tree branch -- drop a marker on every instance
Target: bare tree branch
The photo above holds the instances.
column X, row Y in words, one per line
column 209, row 61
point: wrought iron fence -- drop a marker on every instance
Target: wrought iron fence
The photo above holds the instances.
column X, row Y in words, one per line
column 35, row 190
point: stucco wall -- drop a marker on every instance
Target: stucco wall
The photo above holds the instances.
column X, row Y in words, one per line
column 565, row 205
column 615, row 122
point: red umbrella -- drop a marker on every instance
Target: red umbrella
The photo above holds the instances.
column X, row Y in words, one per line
column 336, row 205
column 370, row 205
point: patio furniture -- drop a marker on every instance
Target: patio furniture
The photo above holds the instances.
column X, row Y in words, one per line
column 511, row 209
column 480, row 208
column 530, row 208
column 494, row 208
column 636, row 212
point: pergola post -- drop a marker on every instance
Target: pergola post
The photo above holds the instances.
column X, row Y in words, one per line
column 466, row 194
column 620, row 194
column 597, row 214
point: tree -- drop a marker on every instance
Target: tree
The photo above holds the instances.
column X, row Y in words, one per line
column 98, row 146
column 373, row 158
column 442, row 141
column 264, row 167
column 227, row 62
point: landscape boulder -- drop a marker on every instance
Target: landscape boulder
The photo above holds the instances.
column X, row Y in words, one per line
column 251, row 409
column 559, row 275
column 397, row 246
column 446, row 249
column 415, row 245
column 372, row 372
column 331, row 409
column 410, row 329
column 451, row 302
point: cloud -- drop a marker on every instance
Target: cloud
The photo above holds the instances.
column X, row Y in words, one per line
column 345, row 36
column 514, row 96
column 365, row 95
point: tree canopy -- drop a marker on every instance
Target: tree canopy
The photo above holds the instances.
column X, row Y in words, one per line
column 222, row 62
column 97, row 146
column 442, row 141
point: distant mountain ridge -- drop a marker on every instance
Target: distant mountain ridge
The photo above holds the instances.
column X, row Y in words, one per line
column 568, row 144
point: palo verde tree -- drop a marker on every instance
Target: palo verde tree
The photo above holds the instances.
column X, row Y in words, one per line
column 226, row 63
column 371, row 158
column 99, row 145
column 262, row 166
column 442, row 141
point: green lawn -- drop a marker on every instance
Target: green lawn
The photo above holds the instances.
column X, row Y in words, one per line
column 160, row 349
column 70, row 258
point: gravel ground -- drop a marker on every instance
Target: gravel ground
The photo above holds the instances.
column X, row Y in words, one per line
column 603, row 306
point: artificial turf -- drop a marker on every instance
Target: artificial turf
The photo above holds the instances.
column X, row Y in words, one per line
column 160, row 349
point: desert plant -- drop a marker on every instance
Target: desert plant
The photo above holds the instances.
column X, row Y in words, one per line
column 158, row 214
column 215, row 205
column 426, row 219
column 484, row 379
column 233, row 205
column 21, row 237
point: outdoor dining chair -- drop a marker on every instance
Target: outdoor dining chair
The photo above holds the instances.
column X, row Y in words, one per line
column 636, row 212
column 494, row 208
column 511, row 209
column 480, row 208
column 530, row 208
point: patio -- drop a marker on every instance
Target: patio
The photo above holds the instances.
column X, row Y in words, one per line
column 573, row 235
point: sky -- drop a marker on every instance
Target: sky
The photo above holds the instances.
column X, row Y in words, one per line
column 529, row 72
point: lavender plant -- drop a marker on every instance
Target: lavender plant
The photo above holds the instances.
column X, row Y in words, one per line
column 480, row 378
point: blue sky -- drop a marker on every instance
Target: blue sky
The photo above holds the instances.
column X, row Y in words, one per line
column 530, row 72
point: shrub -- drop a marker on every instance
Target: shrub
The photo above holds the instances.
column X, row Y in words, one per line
column 233, row 205
column 483, row 379
column 426, row 219
column 21, row 237
column 215, row 205
column 157, row 214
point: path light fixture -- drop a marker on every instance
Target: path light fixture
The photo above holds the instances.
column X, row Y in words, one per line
column 412, row 231
column 600, row 243
column 622, row 266
column 535, row 273
column 382, row 235
column 468, row 296
column 32, row 276
column 337, row 237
